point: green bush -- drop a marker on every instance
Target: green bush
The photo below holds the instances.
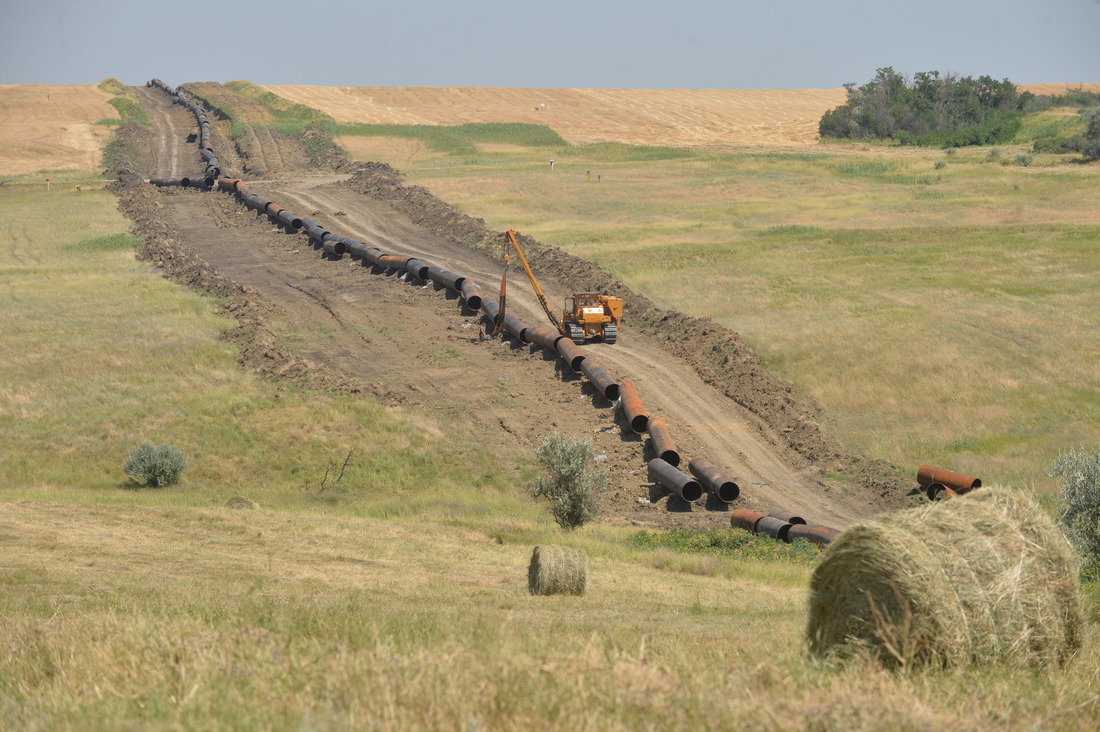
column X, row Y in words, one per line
column 1080, row 470
column 155, row 465
column 569, row 483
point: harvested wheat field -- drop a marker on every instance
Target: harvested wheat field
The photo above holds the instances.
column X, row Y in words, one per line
column 675, row 117
column 51, row 127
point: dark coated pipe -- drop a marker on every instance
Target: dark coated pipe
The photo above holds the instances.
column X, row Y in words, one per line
column 663, row 446
column 956, row 481
column 374, row 255
column 417, row 269
column 515, row 326
column 744, row 518
column 286, row 218
column 356, row 248
column 599, row 378
column 471, row 294
column 540, row 336
column 633, row 408
column 821, row 535
column 256, row 203
column 229, row 185
column 197, row 181
column 334, row 246
column 684, row 485
column 788, row 516
column 571, row 354
column 206, row 155
column 317, row 234
column 773, row 527
column 713, row 480
column 491, row 308
column 445, row 277
column 165, row 181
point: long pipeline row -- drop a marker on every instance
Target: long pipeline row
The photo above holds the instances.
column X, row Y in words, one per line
column 662, row 469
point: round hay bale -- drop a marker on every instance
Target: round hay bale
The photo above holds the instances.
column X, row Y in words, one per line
column 241, row 502
column 981, row 578
column 557, row 570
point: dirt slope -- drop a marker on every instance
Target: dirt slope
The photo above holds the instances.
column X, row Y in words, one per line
column 49, row 127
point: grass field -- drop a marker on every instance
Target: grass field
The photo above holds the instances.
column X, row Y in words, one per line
column 940, row 307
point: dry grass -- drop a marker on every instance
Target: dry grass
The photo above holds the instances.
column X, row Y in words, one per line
column 50, row 127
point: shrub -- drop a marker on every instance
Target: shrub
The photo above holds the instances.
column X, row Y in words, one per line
column 155, row 465
column 1024, row 159
column 1081, row 501
column 940, row 164
column 569, row 483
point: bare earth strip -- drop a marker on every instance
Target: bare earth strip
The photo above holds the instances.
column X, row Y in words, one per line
column 48, row 127
column 676, row 117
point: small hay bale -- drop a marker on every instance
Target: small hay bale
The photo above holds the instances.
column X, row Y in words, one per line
column 241, row 502
column 557, row 570
column 984, row 577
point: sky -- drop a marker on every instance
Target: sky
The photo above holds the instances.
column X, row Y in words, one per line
column 687, row 44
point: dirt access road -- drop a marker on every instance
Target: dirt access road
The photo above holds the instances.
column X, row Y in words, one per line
column 414, row 346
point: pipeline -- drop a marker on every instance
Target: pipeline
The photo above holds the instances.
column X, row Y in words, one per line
column 636, row 415
column 391, row 261
column 599, row 378
column 289, row 220
column 571, row 354
column 661, row 439
column 417, row 269
column 743, row 518
column 788, row 516
column 516, row 327
column 668, row 476
column 538, row 335
column 713, row 480
column 197, row 181
column 471, row 294
column 958, row 482
column 334, row 246
column 164, row 182
column 446, row 278
column 773, row 527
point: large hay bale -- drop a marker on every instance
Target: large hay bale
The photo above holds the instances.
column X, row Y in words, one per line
column 241, row 502
column 981, row 578
column 557, row 570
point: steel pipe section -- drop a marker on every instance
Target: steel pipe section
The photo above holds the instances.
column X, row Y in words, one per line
column 683, row 485
column 446, row 278
column 927, row 475
column 714, row 481
column 540, row 336
column 599, row 378
column 228, row 185
column 773, row 527
column 197, row 181
column 471, row 294
column 661, row 439
column 164, row 182
column 939, row 492
column 636, row 415
column 392, row 261
column 516, row 327
column 334, row 246
column 289, row 220
column 788, row 516
column 573, row 356
column 820, row 535
column 743, row 518
column 417, row 269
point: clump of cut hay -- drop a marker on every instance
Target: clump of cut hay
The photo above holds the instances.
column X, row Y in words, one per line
column 241, row 502
column 981, row 578
column 557, row 570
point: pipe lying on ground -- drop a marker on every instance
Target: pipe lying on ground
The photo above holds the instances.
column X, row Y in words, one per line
column 163, row 182
column 289, row 220
column 661, row 438
column 683, row 485
column 516, row 327
column 317, row 235
column 491, row 308
column 273, row 210
column 958, row 482
column 939, row 492
column 539, row 335
column 788, row 516
column 572, row 355
column 773, row 527
column 334, row 246
column 820, row 535
column 417, row 269
column 636, row 415
column 471, row 294
column 744, row 518
column 716, row 482
column 445, row 277
column 599, row 378
column 392, row 261
column 197, row 181
column 229, row 185
column 356, row 248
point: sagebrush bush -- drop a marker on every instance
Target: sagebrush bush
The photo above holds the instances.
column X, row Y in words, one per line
column 155, row 465
column 1080, row 469
column 569, row 483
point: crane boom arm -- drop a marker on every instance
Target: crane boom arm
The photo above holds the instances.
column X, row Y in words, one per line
column 534, row 282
